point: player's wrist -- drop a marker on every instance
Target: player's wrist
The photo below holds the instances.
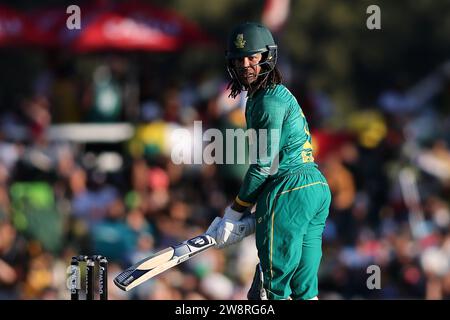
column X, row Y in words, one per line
column 242, row 203
column 237, row 207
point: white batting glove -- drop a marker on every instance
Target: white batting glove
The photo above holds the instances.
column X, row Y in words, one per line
column 231, row 214
column 212, row 229
column 232, row 231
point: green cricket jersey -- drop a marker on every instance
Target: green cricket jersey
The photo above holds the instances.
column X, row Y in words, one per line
column 286, row 145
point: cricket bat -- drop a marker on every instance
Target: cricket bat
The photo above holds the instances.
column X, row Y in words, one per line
column 161, row 261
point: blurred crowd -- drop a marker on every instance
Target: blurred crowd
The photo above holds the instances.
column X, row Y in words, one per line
column 388, row 166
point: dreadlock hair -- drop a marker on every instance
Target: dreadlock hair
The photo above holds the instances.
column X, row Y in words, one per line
column 271, row 79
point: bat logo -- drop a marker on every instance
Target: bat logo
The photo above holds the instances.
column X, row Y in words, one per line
column 198, row 242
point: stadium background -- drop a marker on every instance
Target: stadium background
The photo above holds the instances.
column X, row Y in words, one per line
column 85, row 164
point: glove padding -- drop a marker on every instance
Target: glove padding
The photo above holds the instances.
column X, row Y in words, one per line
column 230, row 232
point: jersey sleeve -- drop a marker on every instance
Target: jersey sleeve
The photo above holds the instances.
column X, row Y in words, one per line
column 267, row 120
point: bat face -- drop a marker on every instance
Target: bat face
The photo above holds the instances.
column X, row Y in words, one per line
column 161, row 261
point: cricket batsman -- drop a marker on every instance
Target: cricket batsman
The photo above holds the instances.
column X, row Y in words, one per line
column 291, row 195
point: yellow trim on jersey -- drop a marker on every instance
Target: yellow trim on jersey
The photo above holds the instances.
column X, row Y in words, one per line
column 242, row 203
column 307, row 145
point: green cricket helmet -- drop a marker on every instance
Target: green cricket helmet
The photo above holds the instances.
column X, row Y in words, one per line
column 249, row 38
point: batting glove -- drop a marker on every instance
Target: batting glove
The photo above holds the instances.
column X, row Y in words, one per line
column 231, row 214
column 212, row 229
column 231, row 231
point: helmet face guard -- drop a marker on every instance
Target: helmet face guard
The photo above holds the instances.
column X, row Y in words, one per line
column 248, row 39
column 267, row 64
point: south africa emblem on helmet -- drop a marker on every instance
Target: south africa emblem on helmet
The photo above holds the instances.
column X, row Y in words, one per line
column 239, row 42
